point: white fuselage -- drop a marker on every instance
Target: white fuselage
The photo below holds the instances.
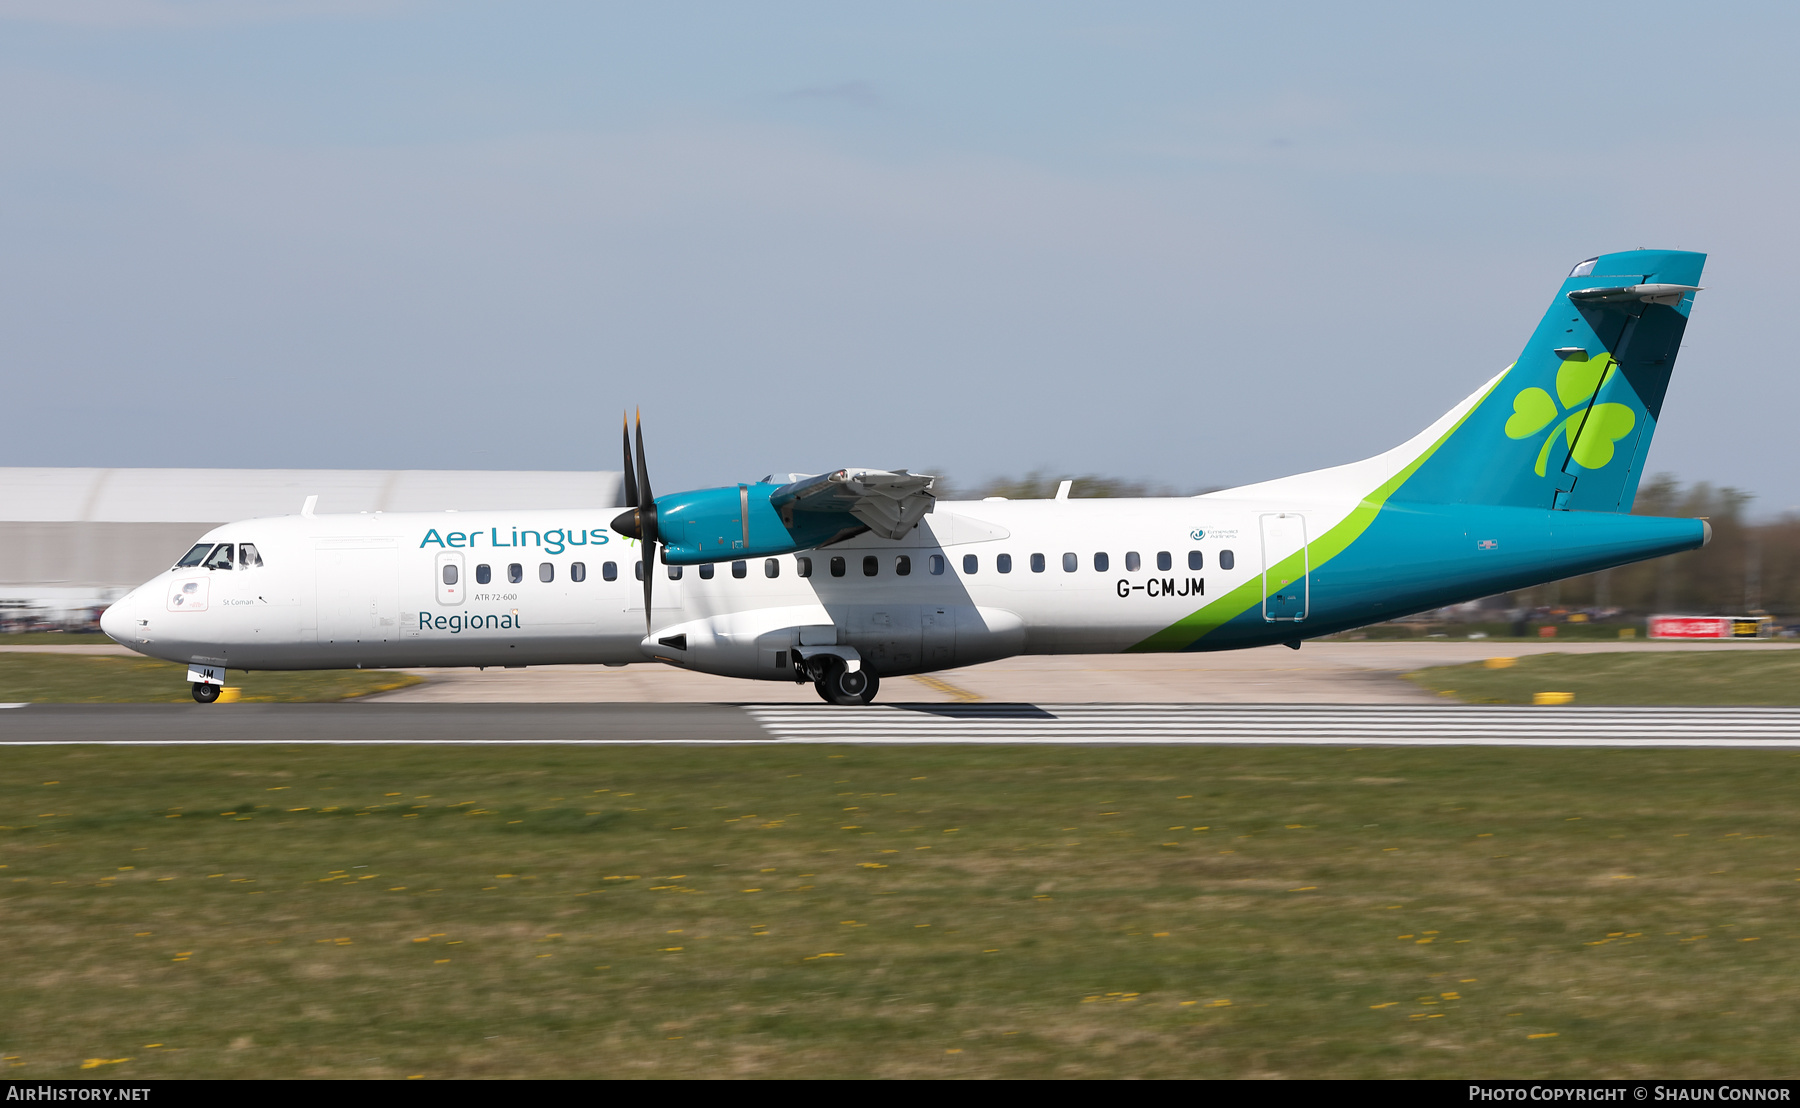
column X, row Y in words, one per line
column 371, row 590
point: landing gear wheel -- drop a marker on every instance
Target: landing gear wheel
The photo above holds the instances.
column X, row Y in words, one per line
column 205, row 693
column 840, row 686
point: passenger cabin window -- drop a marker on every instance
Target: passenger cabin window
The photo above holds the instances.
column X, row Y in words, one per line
column 195, row 556
column 1133, row 563
column 248, row 558
column 1003, row 563
column 674, row 571
column 902, row 565
column 971, row 564
column 515, row 573
column 546, row 572
column 803, row 566
column 1164, row 561
column 1227, row 559
column 837, row 566
column 1037, row 563
column 706, row 572
column 740, row 569
column 935, row 564
column 1101, row 561
column 637, row 568
column 1071, row 563
column 1196, row 560
column 871, row 565
column 608, row 571
column 771, row 567
column 483, row 574
column 449, row 574
column 578, row 571
column 221, row 557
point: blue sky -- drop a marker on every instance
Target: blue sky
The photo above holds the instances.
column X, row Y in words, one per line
column 1197, row 244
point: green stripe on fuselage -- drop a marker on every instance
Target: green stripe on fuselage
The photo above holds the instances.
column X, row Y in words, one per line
column 1191, row 628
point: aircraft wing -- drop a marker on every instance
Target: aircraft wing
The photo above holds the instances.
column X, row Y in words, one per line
column 887, row 502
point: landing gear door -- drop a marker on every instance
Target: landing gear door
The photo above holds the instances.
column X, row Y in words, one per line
column 451, row 588
column 1286, row 564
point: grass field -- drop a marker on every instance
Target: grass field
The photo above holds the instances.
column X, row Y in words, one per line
column 1499, row 630
column 818, row 911
column 1741, row 677
column 106, row 679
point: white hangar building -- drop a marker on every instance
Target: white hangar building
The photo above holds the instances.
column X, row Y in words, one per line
column 74, row 540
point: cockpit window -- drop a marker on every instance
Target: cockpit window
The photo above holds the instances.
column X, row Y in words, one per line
column 248, row 558
column 1585, row 269
column 221, row 557
column 195, row 556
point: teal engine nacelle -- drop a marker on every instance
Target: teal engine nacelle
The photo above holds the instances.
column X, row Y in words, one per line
column 763, row 519
column 718, row 525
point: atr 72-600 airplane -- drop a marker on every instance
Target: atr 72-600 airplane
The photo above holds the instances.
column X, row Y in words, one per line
column 845, row 578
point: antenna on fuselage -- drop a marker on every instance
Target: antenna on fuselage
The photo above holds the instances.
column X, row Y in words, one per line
column 312, row 502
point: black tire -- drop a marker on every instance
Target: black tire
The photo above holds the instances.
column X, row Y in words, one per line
column 840, row 686
column 205, row 693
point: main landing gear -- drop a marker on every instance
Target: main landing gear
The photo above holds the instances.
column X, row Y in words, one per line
column 205, row 693
column 837, row 685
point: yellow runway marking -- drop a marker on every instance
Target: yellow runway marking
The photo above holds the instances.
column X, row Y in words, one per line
column 954, row 692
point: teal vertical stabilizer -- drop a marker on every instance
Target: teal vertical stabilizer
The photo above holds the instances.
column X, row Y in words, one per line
column 1569, row 425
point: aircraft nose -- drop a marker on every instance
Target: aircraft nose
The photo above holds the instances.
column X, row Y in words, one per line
column 116, row 621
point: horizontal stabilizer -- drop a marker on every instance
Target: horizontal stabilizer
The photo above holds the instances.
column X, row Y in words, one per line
column 1634, row 294
column 888, row 502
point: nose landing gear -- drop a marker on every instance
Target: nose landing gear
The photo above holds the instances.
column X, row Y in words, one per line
column 205, row 693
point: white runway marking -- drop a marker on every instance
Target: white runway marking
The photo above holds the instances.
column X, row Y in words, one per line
column 20, row 705
column 1034, row 725
column 1278, row 725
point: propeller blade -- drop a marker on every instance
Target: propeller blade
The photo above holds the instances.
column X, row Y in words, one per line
column 646, row 521
column 649, row 498
column 649, row 551
column 631, row 497
column 626, row 522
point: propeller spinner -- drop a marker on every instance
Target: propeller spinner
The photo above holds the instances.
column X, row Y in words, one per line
column 639, row 520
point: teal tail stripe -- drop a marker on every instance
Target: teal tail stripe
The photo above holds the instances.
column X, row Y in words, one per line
column 1574, row 419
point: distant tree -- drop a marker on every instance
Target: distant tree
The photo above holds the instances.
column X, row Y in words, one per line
column 1039, row 485
column 1746, row 566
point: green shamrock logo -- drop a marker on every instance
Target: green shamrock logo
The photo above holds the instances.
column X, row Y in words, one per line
column 1576, row 382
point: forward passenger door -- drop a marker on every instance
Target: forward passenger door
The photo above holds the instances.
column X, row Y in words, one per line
column 358, row 587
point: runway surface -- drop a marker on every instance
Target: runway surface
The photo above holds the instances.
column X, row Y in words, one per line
column 1322, row 673
column 897, row 725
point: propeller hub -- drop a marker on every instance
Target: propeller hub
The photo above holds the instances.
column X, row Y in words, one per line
column 637, row 523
